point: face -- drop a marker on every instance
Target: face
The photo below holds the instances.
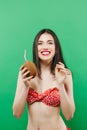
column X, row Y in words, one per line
column 46, row 47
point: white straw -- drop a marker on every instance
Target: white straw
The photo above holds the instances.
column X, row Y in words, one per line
column 25, row 58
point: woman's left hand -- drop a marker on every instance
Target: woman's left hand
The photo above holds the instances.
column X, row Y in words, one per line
column 61, row 72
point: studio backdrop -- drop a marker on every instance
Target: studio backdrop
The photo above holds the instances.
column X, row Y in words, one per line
column 20, row 20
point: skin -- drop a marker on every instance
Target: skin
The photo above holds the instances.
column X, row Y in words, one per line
column 41, row 116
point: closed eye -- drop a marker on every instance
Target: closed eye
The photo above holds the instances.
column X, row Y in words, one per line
column 40, row 43
column 50, row 42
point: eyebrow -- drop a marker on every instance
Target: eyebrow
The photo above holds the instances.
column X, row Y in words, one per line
column 47, row 41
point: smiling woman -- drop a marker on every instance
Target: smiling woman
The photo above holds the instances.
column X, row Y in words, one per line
column 50, row 90
column 46, row 47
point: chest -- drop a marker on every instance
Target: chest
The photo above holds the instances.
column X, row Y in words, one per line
column 45, row 91
column 40, row 85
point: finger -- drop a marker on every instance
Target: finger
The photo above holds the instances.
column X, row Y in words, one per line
column 61, row 64
column 24, row 70
column 30, row 77
column 26, row 74
column 58, row 67
column 63, row 71
column 21, row 67
column 27, row 78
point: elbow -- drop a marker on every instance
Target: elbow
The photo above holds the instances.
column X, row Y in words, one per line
column 16, row 113
column 69, row 117
column 70, row 114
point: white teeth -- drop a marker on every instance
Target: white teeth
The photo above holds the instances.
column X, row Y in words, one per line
column 45, row 53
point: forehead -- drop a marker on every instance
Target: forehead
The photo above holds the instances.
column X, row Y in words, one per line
column 45, row 37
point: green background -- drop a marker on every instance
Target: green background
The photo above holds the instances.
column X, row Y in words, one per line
column 20, row 20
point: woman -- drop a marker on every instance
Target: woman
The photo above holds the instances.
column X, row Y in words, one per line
column 50, row 90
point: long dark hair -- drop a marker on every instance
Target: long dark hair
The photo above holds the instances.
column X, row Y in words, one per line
column 58, row 52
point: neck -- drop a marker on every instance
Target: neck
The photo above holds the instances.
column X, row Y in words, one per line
column 45, row 66
column 45, row 70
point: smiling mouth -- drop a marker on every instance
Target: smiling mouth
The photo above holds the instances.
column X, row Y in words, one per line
column 45, row 53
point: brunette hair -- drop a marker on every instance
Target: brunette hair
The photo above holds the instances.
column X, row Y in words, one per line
column 58, row 52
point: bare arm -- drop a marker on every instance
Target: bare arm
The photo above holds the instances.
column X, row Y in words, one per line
column 64, row 78
column 66, row 97
column 23, row 85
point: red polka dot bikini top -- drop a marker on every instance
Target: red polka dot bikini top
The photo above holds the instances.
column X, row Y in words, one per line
column 49, row 97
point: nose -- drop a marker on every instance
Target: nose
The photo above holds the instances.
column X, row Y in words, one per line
column 45, row 46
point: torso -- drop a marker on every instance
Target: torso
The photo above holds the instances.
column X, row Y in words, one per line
column 42, row 116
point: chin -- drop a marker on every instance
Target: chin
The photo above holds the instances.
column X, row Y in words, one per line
column 46, row 60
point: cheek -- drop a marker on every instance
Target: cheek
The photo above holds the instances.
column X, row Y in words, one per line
column 39, row 48
column 53, row 48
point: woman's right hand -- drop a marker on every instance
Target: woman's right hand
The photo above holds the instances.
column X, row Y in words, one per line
column 25, row 75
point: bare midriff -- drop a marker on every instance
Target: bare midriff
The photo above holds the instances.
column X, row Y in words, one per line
column 43, row 117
